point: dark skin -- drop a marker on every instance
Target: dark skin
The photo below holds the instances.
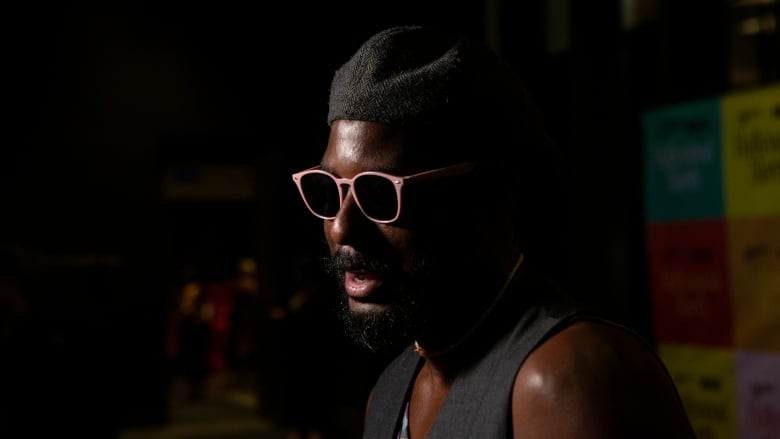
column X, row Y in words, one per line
column 588, row 381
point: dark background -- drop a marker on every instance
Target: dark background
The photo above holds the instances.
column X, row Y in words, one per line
column 103, row 99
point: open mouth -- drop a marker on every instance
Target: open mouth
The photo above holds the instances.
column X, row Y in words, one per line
column 361, row 285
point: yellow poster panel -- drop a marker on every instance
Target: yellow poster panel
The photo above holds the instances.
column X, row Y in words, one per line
column 754, row 260
column 751, row 152
column 705, row 378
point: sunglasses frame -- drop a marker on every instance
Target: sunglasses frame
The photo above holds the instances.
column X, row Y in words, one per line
column 397, row 181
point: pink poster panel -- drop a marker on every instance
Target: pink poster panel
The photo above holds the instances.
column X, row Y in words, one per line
column 758, row 393
column 689, row 283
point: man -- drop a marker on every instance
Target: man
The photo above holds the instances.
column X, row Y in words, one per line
column 433, row 189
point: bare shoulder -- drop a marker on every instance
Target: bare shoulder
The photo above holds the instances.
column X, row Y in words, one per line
column 596, row 380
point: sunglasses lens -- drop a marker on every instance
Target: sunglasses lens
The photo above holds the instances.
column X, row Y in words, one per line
column 321, row 193
column 377, row 197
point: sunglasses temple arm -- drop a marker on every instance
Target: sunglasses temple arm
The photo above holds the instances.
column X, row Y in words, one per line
column 448, row 171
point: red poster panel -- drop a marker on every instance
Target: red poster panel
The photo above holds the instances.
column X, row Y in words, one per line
column 689, row 283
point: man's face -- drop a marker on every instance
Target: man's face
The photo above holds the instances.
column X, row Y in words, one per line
column 385, row 271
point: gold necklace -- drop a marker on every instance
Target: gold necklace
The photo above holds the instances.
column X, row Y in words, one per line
column 420, row 350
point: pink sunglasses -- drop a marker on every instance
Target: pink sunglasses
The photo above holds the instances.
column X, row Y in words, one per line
column 378, row 195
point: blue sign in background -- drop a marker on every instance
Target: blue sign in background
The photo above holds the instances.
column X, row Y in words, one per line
column 682, row 162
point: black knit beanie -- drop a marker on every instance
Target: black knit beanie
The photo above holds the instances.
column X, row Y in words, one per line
column 385, row 81
column 415, row 75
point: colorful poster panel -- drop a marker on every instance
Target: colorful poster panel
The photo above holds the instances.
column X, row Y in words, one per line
column 754, row 259
column 751, row 150
column 688, row 281
column 682, row 155
column 705, row 380
column 758, row 395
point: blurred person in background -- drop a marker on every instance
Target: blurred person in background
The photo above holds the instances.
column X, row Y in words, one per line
column 188, row 333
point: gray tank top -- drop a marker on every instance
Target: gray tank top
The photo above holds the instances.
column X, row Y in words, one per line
column 479, row 402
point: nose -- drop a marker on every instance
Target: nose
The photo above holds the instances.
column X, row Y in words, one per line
column 348, row 220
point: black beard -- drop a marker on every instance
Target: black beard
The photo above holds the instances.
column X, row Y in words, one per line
column 434, row 301
column 382, row 332
column 386, row 331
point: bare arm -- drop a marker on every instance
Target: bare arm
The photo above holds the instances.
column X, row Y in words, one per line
column 593, row 380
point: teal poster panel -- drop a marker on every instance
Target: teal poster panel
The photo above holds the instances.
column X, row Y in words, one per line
column 683, row 171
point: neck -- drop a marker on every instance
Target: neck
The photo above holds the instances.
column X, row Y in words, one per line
column 441, row 349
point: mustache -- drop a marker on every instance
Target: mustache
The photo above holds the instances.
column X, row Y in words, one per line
column 344, row 260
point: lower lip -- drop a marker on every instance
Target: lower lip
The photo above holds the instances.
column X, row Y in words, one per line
column 360, row 286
